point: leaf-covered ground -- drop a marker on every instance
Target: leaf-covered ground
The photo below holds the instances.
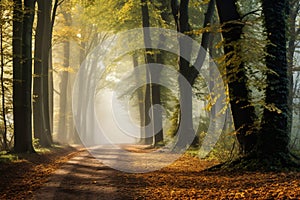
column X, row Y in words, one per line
column 20, row 178
column 184, row 179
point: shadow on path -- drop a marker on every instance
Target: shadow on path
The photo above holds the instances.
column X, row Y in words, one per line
column 82, row 177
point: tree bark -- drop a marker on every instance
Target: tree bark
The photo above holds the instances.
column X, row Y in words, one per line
column 156, row 101
column 42, row 129
column 294, row 10
column 205, row 40
column 29, row 6
column 17, row 77
column 45, row 71
column 63, row 112
column 50, row 78
column 4, row 143
column 37, row 80
column 181, row 17
column 149, row 131
column 274, row 134
column 140, row 98
column 242, row 111
column 23, row 128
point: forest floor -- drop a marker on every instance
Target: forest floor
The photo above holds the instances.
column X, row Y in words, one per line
column 74, row 174
column 27, row 173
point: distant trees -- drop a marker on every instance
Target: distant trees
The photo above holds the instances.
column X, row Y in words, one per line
column 262, row 128
column 152, row 93
column 181, row 16
column 148, row 114
column 63, row 86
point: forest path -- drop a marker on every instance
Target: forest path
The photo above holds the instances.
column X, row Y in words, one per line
column 89, row 175
column 85, row 177
column 82, row 177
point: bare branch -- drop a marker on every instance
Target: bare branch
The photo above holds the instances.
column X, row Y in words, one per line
column 254, row 12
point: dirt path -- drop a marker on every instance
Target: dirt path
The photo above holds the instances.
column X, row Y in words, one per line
column 82, row 177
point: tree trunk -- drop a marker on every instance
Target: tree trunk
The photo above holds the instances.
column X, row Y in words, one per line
column 157, row 112
column 180, row 14
column 42, row 129
column 181, row 18
column 4, row 143
column 156, row 89
column 243, row 113
column 19, row 143
column 205, row 40
column 50, row 71
column 37, row 79
column 47, row 6
column 149, row 131
column 274, row 134
column 23, row 131
column 62, row 126
column 140, row 99
column 29, row 6
column 156, row 96
column 293, row 33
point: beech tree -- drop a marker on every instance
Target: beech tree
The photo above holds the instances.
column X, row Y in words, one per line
column 22, row 74
column 190, row 71
column 268, row 143
column 242, row 111
column 6, row 76
column 148, row 88
column 274, row 135
column 41, row 112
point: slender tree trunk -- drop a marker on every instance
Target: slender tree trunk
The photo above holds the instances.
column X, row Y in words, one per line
column 243, row 113
column 140, row 97
column 63, row 95
column 50, row 79
column 156, row 99
column 157, row 112
column 37, row 80
column 47, row 6
column 3, row 89
column 205, row 40
column 156, row 92
column 294, row 10
column 80, row 108
column 69, row 118
column 149, row 59
column 181, row 16
column 148, row 138
column 274, row 135
column 212, row 78
column 42, row 129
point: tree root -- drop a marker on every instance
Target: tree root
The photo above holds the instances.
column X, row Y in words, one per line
column 278, row 162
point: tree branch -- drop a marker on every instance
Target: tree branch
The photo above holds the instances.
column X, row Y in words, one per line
column 250, row 13
column 175, row 9
column 204, row 42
